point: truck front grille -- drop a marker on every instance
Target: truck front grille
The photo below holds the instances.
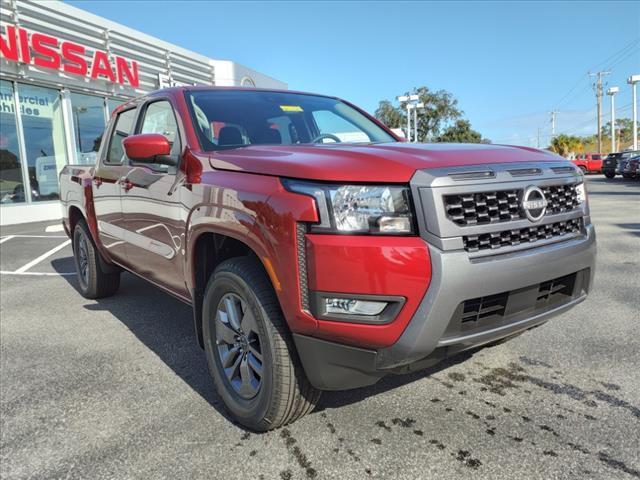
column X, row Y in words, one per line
column 504, row 205
column 509, row 238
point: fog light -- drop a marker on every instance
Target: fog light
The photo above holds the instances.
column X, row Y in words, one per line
column 349, row 306
column 394, row 224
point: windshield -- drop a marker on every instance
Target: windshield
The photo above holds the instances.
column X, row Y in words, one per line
column 228, row 119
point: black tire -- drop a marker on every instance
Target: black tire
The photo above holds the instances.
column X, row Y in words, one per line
column 627, row 176
column 94, row 282
column 284, row 394
column 609, row 174
column 584, row 169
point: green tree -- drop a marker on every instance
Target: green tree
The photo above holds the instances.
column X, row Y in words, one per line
column 564, row 145
column 461, row 132
column 624, row 131
column 391, row 116
column 440, row 110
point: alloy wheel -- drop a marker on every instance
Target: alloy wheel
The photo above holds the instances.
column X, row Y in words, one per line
column 239, row 346
column 83, row 260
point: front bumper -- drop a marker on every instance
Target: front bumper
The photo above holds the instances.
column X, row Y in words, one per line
column 436, row 329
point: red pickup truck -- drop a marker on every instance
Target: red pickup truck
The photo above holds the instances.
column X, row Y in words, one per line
column 589, row 162
column 318, row 251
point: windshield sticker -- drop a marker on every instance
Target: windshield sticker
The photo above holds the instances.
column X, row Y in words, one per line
column 291, row 108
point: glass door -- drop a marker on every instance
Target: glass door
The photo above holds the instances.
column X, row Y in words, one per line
column 88, row 113
column 44, row 139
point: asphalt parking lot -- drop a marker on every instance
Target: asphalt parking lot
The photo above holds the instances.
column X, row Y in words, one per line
column 118, row 388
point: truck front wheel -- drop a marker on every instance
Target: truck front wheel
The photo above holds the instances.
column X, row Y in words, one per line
column 250, row 353
column 93, row 280
column 609, row 174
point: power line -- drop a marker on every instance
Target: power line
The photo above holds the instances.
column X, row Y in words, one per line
column 622, row 51
column 571, row 90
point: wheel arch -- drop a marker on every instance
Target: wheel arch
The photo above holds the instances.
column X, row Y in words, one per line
column 207, row 249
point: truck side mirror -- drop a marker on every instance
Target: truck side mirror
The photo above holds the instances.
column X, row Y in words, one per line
column 151, row 148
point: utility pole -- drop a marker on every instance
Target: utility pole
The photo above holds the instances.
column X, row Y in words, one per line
column 612, row 92
column 553, row 123
column 598, row 90
column 632, row 80
column 538, row 137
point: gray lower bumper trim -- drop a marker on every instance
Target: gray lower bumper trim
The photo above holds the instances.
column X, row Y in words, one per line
column 457, row 277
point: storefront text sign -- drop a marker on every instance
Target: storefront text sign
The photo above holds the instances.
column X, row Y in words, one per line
column 45, row 51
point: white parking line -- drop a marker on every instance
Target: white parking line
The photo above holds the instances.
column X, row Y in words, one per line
column 54, row 228
column 37, row 260
column 4, row 239
column 38, row 274
column 33, row 236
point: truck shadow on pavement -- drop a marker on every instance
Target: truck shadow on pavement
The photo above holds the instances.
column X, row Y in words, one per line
column 165, row 326
column 633, row 228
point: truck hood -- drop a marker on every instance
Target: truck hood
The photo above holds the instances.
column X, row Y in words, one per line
column 387, row 162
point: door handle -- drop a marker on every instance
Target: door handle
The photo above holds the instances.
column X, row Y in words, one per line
column 126, row 183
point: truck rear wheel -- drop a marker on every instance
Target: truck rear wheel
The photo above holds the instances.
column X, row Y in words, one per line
column 249, row 348
column 93, row 280
column 584, row 169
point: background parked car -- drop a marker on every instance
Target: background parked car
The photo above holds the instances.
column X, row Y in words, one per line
column 588, row 162
column 632, row 168
column 622, row 165
column 610, row 164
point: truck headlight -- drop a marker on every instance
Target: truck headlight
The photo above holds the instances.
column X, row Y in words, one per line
column 359, row 209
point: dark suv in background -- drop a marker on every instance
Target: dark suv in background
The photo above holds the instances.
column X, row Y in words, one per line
column 632, row 168
column 614, row 163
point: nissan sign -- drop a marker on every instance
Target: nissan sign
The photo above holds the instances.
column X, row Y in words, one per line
column 45, row 51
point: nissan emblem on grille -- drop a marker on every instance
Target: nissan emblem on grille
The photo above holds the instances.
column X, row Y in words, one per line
column 534, row 203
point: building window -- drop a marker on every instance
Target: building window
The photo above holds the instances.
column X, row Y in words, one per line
column 42, row 123
column 112, row 105
column 11, row 179
column 88, row 121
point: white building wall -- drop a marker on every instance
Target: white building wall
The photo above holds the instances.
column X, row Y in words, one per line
column 160, row 64
column 230, row 73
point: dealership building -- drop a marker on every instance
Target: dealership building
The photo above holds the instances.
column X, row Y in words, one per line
column 62, row 71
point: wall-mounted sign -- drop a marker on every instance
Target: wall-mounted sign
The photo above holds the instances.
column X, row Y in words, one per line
column 45, row 51
column 32, row 105
column 164, row 81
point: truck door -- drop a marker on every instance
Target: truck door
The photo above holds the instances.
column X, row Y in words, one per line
column 107, row 186
column 154, row 216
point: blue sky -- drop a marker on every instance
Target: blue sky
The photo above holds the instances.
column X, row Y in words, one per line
column 508, row 64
